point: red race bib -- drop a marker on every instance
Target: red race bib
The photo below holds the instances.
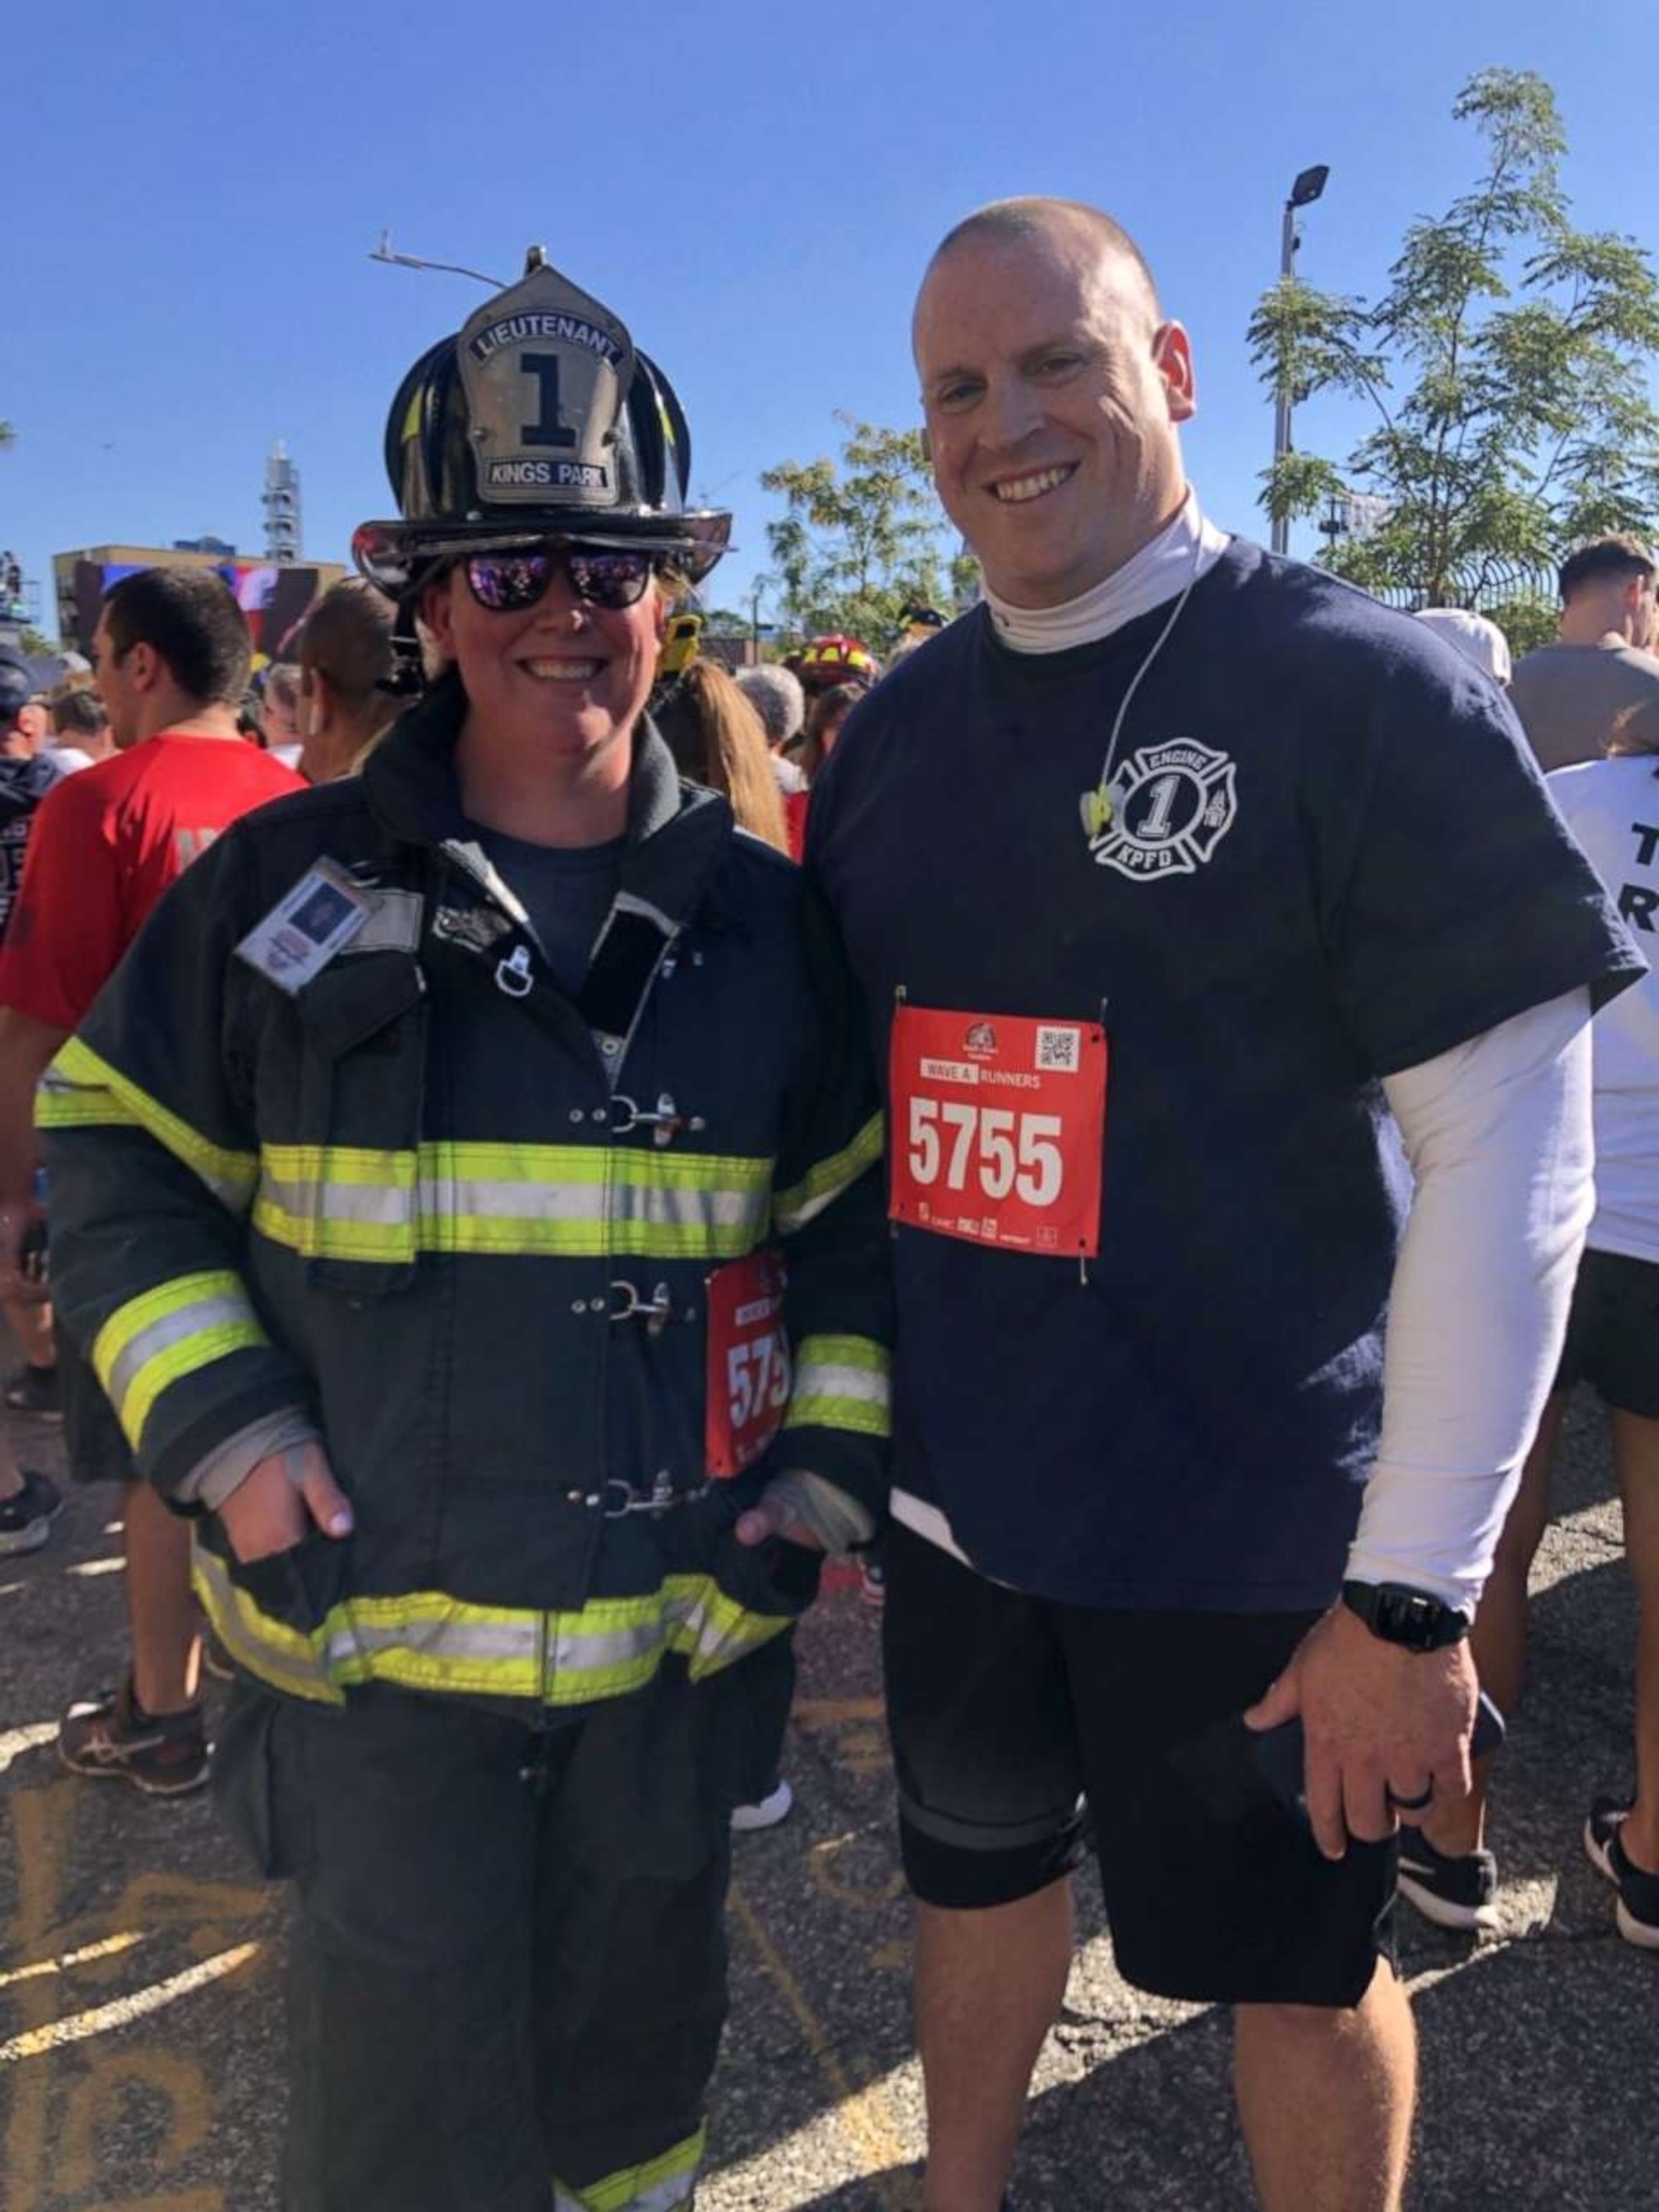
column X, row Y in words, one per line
column 998, row 1129
column 749, row 1374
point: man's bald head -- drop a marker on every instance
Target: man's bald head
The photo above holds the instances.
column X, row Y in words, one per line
column 1051, row 387
column 1008, row 222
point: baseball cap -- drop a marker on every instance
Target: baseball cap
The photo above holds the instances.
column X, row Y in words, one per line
column 1475, row 637
column 17, row 685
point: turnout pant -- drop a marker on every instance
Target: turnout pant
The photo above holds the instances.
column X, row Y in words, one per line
column 508, row 1976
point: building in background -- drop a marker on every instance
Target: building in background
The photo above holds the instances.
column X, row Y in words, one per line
column 273, row 595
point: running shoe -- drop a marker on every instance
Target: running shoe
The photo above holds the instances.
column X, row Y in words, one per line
column 772, row 1808
column 34, row 1390
column 165, row 1755
column 1454, row 1892
column 1637, row 1909
column 26, row 1518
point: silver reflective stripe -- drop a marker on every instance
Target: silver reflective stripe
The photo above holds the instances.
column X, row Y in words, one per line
column 488, row 1198
column 577, row 1651
column 479, row 1198
column 438, row 1639
column 394, row 925
column 711, row 1636
column 380, row 1205
column 160, row 1335
column 826, row 1379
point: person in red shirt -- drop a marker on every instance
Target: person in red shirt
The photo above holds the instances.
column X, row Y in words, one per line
column 172, row 654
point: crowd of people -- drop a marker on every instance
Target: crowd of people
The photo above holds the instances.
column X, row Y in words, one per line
column 516, row 1144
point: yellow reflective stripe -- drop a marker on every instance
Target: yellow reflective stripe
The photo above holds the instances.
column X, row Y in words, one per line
column 172, row 1331
column 663, row 2184
column 356, row 1165
column 337, row 1201
column 229, row 1175
column 427, row 1640
column 793, row 1209
column 636, row 1168
column 281, row 1655
column 60, row 1105
column 577, row 1201
column 841, row 1383
column 324, row 1239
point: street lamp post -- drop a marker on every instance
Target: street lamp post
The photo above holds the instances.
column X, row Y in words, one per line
column 1303, row 192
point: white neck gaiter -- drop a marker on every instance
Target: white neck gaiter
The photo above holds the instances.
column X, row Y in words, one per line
column 1163, row 568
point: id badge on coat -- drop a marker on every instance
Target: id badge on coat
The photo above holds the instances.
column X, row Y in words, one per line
column 749, row 1377
column 998, row 1129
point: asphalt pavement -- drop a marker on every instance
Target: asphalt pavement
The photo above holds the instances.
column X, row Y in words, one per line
column 141, row 2036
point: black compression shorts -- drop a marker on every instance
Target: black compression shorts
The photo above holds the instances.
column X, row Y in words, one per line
column 1023, row 1729
column 1613, row 1333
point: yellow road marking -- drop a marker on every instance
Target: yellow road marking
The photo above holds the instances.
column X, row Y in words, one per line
column 105, row 1950
column 81, row 2025
column 862, row 2113
column 835, row 1712
column 14, row 1742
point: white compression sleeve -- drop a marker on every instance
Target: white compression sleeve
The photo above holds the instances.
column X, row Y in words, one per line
column 1499, row 1137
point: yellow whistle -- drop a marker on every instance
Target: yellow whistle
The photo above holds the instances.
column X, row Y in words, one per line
column 1097, row 810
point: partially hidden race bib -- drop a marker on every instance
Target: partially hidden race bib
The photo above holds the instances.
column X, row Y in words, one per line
column 998, row 1129
column 749, row 1374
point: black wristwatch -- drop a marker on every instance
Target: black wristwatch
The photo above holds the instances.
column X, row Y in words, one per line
column 1410, row 1617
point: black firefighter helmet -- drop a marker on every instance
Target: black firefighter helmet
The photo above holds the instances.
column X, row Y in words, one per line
column 538, row 419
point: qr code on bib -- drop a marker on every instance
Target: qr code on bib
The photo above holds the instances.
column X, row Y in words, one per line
column 1059, row 1051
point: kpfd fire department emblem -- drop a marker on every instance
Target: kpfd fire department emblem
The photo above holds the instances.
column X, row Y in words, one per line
column 1164, row 812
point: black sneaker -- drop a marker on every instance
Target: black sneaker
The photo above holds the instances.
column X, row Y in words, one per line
column 1453, row 1891
column 165, row 1755
column 1637, row 1909
column 26, row 1519
column 34, row 1390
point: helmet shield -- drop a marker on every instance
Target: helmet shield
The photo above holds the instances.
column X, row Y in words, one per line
column 540, row 419
column 546, row 372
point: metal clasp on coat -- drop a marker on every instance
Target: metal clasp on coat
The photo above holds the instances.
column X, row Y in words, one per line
column 664, row 1124
column 513, row 974
column 660, row 1497
column 627, row 1304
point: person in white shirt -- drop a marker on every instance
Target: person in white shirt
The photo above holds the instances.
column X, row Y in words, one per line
column 81, row 733
column 1612, row 807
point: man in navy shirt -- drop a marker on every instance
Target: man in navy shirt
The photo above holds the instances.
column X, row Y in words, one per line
column 1233, row 976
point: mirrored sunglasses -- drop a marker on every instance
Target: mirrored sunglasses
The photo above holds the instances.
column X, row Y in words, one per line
column 600, row 575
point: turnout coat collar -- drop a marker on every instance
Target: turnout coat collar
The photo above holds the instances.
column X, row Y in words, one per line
column 676, row 833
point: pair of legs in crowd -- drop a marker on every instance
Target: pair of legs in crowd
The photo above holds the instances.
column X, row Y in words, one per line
column 1500, row 1650
column 1215, row 1890
column 1610, row 1345
column 1325, row 2096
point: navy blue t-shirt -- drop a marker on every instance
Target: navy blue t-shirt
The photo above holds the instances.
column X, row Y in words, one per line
column 1334, row 859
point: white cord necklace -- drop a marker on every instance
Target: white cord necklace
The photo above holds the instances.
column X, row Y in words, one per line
column 1101, row 807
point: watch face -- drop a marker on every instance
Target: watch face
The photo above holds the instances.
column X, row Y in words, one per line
column 1410, row 1617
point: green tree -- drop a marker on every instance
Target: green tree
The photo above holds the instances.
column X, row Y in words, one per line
column 861, row 536
column 1505, row 364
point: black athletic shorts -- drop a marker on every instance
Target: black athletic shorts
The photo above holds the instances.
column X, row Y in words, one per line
column 1613, row 1333
column 1023, row 1729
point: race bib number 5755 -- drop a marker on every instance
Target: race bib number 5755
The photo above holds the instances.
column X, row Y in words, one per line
column 998, row 1129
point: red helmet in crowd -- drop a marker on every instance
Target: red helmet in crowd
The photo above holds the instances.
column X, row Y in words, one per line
column 829, row 661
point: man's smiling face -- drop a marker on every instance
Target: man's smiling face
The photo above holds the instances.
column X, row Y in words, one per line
column 1052, row 393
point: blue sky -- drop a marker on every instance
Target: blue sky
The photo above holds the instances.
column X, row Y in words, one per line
column 754, row 189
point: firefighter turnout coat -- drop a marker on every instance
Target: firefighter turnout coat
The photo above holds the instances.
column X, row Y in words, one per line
column 474, row 1231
